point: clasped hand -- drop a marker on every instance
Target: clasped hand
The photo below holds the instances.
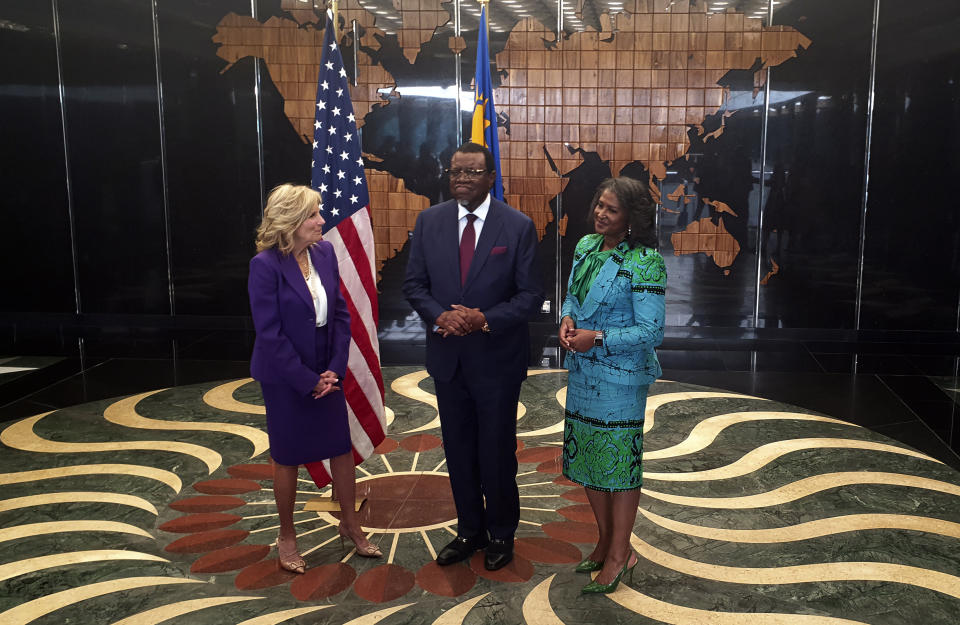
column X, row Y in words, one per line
column 327, row 384
column 574, row 339
column 460, row 321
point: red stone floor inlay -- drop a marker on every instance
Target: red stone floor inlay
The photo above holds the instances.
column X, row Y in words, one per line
column 572, row 531
column 207, row 541
column 407, row 501
column 551, row 466
column 562, row 481
column 448, row 581
column 384, row 583
column 546, row 550
column 264, row 574
column 577, row 495
column 386, row 446
column 251, row 471
column 519, row 570
column 199, row 522
column 230, row 486
column 323, row 581
column 207, row 503
column 538, row 454
column 230, row 558
column 580, row 512
column 420, row 442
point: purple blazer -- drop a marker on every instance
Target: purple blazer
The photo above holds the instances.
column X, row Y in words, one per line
column 284, row 317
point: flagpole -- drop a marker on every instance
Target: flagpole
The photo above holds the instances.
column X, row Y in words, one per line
column 485, row 4
column 335, row 7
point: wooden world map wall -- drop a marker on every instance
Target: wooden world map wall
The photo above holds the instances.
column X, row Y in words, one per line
column 628, row 93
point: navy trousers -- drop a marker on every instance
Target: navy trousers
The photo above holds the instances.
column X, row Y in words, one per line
column 478, row 419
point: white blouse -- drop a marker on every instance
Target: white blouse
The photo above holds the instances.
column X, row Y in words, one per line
column 318, row 294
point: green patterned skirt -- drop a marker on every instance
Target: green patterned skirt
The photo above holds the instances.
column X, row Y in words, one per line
column 603, row 434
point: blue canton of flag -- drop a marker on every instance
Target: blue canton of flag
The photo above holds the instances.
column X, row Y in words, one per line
column 337, row 168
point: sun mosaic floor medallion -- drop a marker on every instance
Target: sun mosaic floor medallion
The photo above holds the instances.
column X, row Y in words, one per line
column 158, row 508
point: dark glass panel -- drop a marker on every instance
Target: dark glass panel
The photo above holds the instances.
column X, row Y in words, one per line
column 814, row 179
column 113, row 128
column 912, row 259
column 36, row 228
column 213, row 170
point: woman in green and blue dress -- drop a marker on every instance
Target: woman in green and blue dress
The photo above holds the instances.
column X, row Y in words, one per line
column 612, row 321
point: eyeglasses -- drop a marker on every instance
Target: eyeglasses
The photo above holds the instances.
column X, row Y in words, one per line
column 471, row 174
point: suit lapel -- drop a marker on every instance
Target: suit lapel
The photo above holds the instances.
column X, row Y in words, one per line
column 488, row 235
column 317, row 256
column 449, row 243
column 291, row 273
column 601, row 284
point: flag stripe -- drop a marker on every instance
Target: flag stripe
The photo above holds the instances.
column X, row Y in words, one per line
column 353, row 242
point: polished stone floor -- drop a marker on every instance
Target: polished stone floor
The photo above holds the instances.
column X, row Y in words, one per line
column 154, row 506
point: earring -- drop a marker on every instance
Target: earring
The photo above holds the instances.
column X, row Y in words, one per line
column 629, row 231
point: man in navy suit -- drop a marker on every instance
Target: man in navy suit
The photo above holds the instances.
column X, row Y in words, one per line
column 472, row 278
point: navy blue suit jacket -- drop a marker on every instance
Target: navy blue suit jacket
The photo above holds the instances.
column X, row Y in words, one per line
column 285, row 350
column 503, row 283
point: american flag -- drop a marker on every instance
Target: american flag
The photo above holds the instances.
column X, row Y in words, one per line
column 337, row 173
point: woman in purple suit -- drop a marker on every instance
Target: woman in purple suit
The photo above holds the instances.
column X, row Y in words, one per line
column 300, row 357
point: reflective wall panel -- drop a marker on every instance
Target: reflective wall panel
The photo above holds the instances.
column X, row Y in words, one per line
column 168, row 174
column 911, row 265
column 213, row 172
column 815, row 168
column 36, row 231
column 110, row 82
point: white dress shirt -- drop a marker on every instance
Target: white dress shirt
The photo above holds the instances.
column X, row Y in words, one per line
column 318, row 294
column 480, row 212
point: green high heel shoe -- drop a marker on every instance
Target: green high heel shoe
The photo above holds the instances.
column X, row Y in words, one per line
column 594, row 587
column 588, row 566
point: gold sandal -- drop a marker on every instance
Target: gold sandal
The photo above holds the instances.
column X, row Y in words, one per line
column 289, row 557
column 366, row 549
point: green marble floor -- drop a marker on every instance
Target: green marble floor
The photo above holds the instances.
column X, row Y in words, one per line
column 157, row 508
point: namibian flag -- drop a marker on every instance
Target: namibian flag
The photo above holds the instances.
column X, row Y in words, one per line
column 484, row 129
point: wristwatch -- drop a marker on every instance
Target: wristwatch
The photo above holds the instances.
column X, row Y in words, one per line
column 598, row 339
column 485, row 327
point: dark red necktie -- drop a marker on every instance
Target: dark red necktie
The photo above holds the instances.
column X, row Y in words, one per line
column 467, row 245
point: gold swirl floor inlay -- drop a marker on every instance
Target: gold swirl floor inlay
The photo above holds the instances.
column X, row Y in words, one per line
column 32, row 565
column 180, row 608
column 808, row 486
column 811, row 529
column 59, row 527
column 32, row 610
column 167, row 477
column 221, row 398
column 765, row 454
column 665, row 612
column 705, row 432
column 124, row 412
column 77, row 497
column 21, row 436
column 803, row 573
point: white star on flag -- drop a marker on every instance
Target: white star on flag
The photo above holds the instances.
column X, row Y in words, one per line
column 349, row 230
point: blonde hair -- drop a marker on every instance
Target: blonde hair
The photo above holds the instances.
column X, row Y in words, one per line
column 288, row 206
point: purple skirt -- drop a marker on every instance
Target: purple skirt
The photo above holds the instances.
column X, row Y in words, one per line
column 303, row 429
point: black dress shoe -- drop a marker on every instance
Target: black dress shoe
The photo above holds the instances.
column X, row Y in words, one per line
column 459, row 549
column 499, row 553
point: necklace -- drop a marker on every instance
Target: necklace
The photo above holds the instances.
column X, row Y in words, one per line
column 304, row 261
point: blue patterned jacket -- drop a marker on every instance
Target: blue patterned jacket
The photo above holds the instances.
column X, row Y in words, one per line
column 626, row 301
